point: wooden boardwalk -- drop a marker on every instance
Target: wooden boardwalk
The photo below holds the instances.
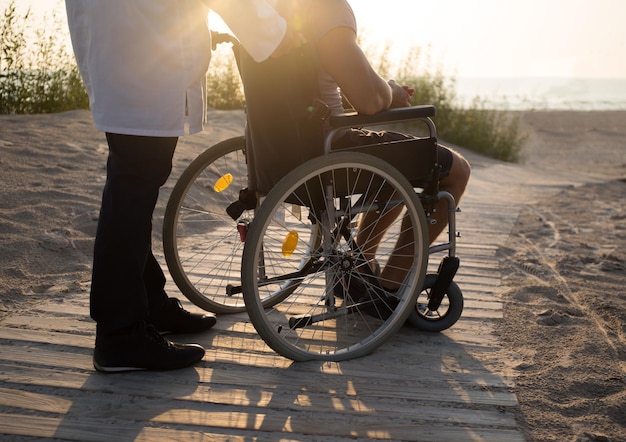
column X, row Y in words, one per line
column 452, row 386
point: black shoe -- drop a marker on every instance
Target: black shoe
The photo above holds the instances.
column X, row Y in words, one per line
column 173, row 318
column 373, row 299
column 142, row 348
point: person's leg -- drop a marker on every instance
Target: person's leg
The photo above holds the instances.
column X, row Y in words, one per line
column 126, row 280
column 154, row 283
column 372, row 226
column 456, row 171
column 136, row 169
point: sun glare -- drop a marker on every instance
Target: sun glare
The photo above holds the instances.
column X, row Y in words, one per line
column 496, row 38
column 484, row 38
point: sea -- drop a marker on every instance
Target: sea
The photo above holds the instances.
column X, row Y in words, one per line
column 588, row 94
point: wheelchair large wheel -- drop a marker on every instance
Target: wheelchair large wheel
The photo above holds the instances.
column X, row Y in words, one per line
column 445, row 316
column 339, row 309
column 201, row 241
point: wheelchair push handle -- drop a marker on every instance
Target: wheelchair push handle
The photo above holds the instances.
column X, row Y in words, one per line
column 222, row 37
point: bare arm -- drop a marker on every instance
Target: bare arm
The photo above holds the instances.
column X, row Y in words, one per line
column 344, row 60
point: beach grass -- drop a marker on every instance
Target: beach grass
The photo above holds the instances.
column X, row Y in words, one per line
column 494, row 133
column 38, row 75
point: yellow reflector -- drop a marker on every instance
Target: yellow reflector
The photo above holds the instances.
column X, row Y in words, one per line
column 290, row 243
column 223, row 183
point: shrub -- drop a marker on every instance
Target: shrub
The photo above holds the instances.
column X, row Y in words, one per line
column 37, row 79
column 224, row 88
column 492, row 133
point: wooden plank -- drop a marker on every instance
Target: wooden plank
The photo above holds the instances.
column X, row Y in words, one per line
column 395, row 368
column 93, row 430
column 88, row 430
column 235, row 376
column 15, row 335
column 238, row 334
column 469, row 284
column 377, row 385
column 475, row 306
column 100, row 402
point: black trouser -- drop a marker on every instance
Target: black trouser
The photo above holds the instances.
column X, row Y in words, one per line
column 127, row 281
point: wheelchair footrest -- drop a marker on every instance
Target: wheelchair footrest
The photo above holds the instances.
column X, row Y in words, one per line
column 447, row 270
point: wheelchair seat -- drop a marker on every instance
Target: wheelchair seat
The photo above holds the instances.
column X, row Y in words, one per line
column 307, row 274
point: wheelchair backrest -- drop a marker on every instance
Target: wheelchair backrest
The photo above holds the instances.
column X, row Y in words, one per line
column 284, row 115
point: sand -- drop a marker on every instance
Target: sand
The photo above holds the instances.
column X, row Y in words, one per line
column 565, row 268
column 563, row 265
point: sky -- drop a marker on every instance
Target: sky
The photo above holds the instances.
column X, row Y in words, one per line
column 489, row 38
column 508, row 38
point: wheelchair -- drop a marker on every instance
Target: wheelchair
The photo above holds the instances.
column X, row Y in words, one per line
column 308, row 259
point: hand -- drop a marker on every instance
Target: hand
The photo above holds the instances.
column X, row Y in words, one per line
column 400, row 95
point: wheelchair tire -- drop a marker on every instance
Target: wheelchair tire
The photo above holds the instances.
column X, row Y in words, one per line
column 312, row 322
column 201, row 242
column 445, row 316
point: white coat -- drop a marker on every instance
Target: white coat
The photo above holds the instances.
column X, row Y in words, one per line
column 144, row 62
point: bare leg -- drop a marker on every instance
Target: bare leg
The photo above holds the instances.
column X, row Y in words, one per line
column 372, row 227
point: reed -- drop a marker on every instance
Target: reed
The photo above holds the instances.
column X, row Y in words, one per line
column 37, row 75
column 494, row 133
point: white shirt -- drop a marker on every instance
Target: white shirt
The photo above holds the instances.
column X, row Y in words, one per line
column 144, row 62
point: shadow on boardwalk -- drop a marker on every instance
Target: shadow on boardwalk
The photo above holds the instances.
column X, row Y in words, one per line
column 450, row 386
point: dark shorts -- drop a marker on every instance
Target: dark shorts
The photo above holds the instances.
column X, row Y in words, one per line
column 361, row 137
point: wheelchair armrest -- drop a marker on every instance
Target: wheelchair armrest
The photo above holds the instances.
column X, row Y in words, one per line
column 395, row 115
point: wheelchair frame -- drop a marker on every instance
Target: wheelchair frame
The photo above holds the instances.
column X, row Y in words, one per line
column 311, row 311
